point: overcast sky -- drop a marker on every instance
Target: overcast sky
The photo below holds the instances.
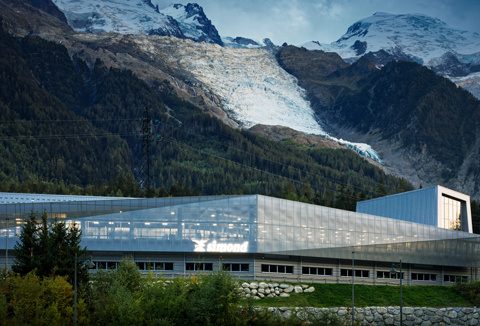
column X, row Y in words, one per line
column 299, row 21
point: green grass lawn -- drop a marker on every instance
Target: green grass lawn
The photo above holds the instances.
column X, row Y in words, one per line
column 340, row 295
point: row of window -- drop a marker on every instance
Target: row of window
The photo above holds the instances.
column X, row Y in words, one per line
column 162, row 266
column 388, row 275
column 358, row 273
column 455, row 278
column 317, row 271
column 424, row 277
column 280, row 269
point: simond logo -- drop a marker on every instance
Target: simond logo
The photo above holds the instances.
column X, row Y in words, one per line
column 214, row 246
column 199, row 245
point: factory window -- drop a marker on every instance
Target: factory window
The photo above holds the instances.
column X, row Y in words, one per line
column 424, row 277
column 455, row 278
column 154, row 266
column 236, row 267
column 358, row 272
column 394, row 276
column 199, row 266
column 317, row 271
column 281, row 269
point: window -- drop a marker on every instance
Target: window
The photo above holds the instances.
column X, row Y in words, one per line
column 358, row 273
column 236, row 267
column 317, row 271
column 452, row 213
column 388, row 275
column 424, row 277
column 281, row 269
column 154, row 266
column 163, row 266
column 199, row 266
column 455, row 278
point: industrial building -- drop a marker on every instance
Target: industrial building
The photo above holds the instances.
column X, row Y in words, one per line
column 260, row 237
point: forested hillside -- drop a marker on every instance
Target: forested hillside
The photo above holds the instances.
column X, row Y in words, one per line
column 66, row 127
column 421, row 124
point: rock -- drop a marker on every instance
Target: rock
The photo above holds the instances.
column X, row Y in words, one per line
column 382, row 310
column 284, row 295
column 310, row 289
column 254, row 292
column 245, row 285
column 451, row 314
column 254, row 285
column 304, row 286
column 261, row 295
column 418, row 312
column 262, row 285
column 436, row 319
column 408, row 310
column 289, row 289
column 298, row 289
column 284, row 286
column 247, row 290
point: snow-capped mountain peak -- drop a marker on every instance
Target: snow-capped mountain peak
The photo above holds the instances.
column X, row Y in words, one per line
column 193, row 22
column 123, row 17
column 139, row 17
column 419, row 36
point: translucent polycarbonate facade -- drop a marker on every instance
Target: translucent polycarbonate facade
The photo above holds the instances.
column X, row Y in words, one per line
column 249, row 224
column 435, row 206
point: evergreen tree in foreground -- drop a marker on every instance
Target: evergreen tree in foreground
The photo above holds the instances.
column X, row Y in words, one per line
column 49, row 248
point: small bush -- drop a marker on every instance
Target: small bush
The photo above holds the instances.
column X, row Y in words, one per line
column 469, row 291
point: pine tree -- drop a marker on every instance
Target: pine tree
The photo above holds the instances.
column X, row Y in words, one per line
column 48, row 248
column 24, row 250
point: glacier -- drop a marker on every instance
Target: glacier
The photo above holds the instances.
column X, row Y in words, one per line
column 255, row 89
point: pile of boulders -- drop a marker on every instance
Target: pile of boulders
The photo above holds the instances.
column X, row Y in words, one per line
column 261, row 290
